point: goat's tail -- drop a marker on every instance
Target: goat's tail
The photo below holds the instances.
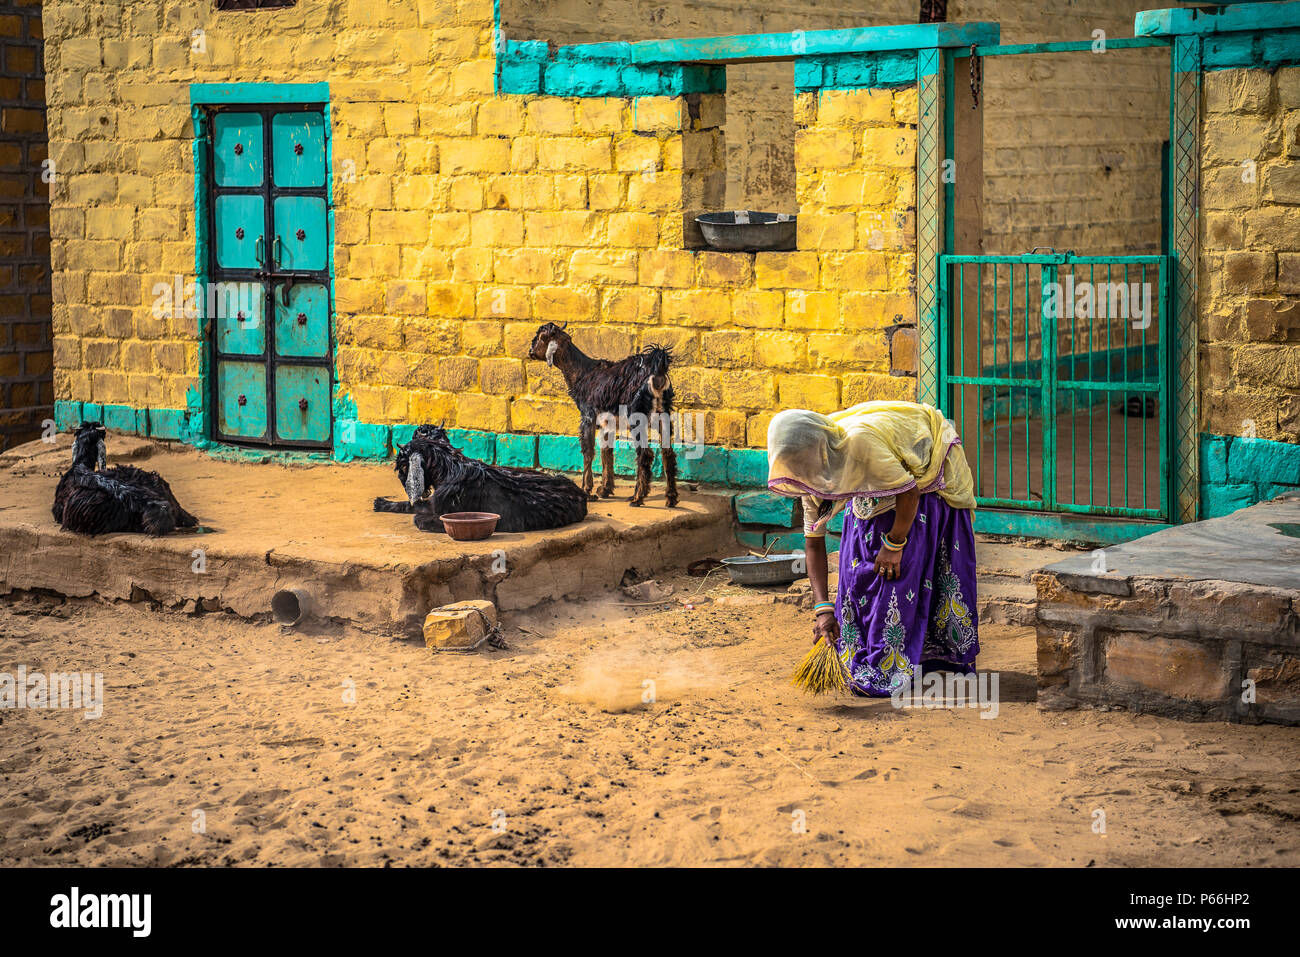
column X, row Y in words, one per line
column 657, row 359
column 388, row 505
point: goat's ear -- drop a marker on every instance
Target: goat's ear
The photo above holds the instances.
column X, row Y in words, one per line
column 550, row 352
column 415, row 485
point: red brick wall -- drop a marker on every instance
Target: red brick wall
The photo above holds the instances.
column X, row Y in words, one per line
column 26, row 386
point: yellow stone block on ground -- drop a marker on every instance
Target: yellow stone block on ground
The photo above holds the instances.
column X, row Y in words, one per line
column 461, row 626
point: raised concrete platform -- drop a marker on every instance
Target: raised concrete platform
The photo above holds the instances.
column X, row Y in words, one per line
column 1198, row 621
column 311, row 525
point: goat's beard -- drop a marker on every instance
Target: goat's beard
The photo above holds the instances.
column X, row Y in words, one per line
column 415, row 483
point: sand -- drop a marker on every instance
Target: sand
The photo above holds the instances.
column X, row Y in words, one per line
column 604, row 735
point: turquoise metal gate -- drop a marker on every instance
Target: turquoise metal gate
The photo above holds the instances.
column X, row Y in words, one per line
column 1056, row 370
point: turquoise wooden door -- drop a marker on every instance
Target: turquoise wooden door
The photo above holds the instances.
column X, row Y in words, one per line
column 272, row 343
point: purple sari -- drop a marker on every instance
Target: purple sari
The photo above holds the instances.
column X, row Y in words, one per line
column 925, row 618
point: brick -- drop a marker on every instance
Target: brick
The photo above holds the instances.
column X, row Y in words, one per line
column 1168, row 666
column 459, row 626
column 815, row 392
column 794, row 270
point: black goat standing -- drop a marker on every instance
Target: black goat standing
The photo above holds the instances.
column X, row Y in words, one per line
column 439, row 478
column 636, row 389
column 93, row 500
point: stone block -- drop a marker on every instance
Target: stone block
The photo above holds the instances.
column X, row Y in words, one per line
column 461, row 626
column 764, row 508
column 1168, row 666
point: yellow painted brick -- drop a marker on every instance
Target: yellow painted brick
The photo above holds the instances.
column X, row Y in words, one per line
column 503, row 192
column 827, row 230
column 823, row 148
column 428, row 406
column 475, row 78
column 431, row 336
column 857, row 188
column 574, row 153
column 405, row 298
column 905, row 105
column 491, row 413
column 630, row 305
column 448, row 229
column 571, row 191
column 569, row 228
column 661, row 192
column 633, row 229
column 637, row 153
column 723, row 428
column 501, row 376
column 606, row 342
column 832, row 350
column 425, row 262
column 383, row 157
column 603, row 265
column 697, row 386
column 500, row 116
column 856, row 271
column 601, row 115
column 812, row 310
column 658, row 113
column 536, row 190
column 542, row 416
column 530, row 266
column 401, row 119
column 756, row 429
column 480, row 155
column 564, row 304
column 869, row 387
column 793, row 270
column 457, row 373
column 667, row 267
column 606, row 191
column 472, row 264
column 465, row 193
column 696, row 307
column 518, row 337
column 481, row 338
column 724, row 269
column 550, row 116
column 816, row 392
column 505, row 302
column 889, row 147
column 373, row 261
column 876, row 310
column 748, row 390
column 450, row 300
column 408, row 226
column 728, row 348
column 523, row 153
column 758, row 309
column 855, row 107
column 497, row 228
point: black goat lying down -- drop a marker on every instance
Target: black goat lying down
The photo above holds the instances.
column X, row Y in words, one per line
column 93, row 500
column 439, row 479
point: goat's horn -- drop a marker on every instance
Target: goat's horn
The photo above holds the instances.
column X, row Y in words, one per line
column 566, row 324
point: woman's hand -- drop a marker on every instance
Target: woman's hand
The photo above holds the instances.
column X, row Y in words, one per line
column 825, row 626
column 889, row 564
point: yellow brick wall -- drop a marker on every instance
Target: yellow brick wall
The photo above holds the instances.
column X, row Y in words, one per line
column 463, row 220
column 1250, row 262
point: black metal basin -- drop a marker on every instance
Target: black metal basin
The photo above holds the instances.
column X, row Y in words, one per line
column 762, row 233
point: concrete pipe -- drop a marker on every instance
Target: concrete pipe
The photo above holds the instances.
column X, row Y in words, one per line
column 289, row 606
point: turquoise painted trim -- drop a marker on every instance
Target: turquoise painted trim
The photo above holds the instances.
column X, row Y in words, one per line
column 1072, row 46
column 1055, row 525
column 868, row 57
column 198, row 401
column 787, row 46
column 854, row 71
column 1236, row 472
column 209, row 94
column 1229, row 19
column 1251, row 50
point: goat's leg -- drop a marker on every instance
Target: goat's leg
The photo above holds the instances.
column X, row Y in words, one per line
column 587, row 441
column 645, row 458
column 607, row 467
column 670, row 476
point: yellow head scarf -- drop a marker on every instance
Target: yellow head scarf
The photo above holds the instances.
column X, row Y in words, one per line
column 872, row 450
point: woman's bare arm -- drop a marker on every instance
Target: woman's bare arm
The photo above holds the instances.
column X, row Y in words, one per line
column 824, row 623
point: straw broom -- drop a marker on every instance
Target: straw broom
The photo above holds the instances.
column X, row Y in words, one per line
column 821, row 670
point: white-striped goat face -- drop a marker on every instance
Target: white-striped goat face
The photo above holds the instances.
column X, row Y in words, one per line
column 101, row 454
column 550, row 352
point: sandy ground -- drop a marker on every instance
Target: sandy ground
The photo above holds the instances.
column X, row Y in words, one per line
column 342, row 748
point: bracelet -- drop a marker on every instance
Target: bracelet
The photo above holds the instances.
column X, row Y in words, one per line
column 889, row 543
column 822, row 606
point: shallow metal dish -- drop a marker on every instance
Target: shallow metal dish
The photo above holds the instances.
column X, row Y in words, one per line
column 762, row 233
column 772, row 570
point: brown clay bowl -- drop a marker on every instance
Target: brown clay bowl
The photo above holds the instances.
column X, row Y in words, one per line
column 470, row 526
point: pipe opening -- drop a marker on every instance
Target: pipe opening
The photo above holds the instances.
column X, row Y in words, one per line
column 289, row 606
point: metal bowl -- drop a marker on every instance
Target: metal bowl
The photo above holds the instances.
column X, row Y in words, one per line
column 772, row 570
column 762, row 233
column 470, row 526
